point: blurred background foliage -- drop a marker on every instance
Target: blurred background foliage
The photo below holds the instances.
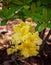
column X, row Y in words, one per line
column 38, row 10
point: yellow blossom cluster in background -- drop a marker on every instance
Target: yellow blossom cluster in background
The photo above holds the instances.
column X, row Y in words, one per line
column 25, row 39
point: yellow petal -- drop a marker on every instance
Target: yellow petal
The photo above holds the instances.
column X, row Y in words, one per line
column 33, row 52
column 16, row 38
column 36, row 35
column 25, row 53
column 10, row 51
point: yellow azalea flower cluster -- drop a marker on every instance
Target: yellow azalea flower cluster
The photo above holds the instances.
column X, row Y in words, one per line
column 26, row 39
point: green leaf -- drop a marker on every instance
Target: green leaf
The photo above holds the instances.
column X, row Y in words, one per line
column 1, row 15
column 49, row 25
column 46, row 2
column 49, row 14
column 45, row 14
column 3, row 22
column 36, row 19
column 17, row 2
column 18, row 9
column 27, row 1
column 26, row 12
column 5, row 11
column 41, row 27
column 13, row 11
column 26, row 6
column 6, row 2
column 33, row 8
column 38, row 3
column 21, row 2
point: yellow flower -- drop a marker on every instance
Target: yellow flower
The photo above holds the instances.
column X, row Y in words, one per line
column 25, row 53
column 18, row 27
column 37, row 39
column 24, row 30
column 10, row 51
column 16, row 38
column 29, row 47
column 26, row 39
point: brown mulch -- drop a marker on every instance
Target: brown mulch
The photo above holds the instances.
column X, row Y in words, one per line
column 5, row 33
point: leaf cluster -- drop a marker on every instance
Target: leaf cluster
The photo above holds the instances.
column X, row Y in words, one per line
column 38, row 10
